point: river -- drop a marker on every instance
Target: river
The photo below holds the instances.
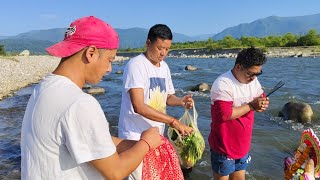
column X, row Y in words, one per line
column 273, row 138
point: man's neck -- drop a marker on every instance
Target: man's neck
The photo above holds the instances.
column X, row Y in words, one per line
column 149, row 58
column 72, row 71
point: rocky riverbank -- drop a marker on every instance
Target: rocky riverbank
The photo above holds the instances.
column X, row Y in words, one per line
column 232, row 53
column 20, row 71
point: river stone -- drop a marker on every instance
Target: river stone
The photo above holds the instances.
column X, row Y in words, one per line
column 25, row 53
column 201, row 87
column 87, row 86
column 297, row 111
column 119, row 72
column 190, row 68
column 95, row 90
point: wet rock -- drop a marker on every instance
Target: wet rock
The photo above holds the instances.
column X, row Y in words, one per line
column 190, row 68
column 201, row 87
column 87, row 86
column 25, row 53
column 95, row 90
column 297, row 111
column 119, row 72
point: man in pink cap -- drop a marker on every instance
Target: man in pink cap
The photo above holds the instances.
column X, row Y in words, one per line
column 65, row 134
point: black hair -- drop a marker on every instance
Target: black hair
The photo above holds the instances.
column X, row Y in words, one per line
column 251, row 57
column 161, row 31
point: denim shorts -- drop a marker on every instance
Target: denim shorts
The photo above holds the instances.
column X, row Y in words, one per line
column 225, row 166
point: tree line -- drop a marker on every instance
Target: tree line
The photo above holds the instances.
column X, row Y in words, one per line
column 2, row 51
column 312, row 38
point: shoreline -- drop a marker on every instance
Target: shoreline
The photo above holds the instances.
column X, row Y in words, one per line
column 17, row 72
column 271, row 52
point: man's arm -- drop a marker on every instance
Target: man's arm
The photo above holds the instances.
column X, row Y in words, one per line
column 137, row 100
column 258, row 104
column 122, row 144
column 128, row 156
column 185, row 101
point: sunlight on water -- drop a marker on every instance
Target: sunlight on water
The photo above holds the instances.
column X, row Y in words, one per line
column 175, row 74
column 317, row 102
column 196, row 93
column 273, row 138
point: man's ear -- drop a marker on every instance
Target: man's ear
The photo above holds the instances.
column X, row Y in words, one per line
column 238, row 67
column 91, row 53
column 148, row 42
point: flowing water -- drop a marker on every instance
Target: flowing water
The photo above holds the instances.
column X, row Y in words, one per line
column 273, row 138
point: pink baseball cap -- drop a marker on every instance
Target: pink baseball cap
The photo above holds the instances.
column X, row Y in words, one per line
column 85, row 32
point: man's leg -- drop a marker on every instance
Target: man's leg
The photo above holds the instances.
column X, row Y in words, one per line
column 219, row 177
column 241, row 166
column 238, row 175
column 221, row 165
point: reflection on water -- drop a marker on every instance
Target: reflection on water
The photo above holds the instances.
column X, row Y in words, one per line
column 273, row 138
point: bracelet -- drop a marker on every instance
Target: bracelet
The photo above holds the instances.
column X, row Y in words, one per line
column 250, row 105
column 172, row 122
column 147, row 143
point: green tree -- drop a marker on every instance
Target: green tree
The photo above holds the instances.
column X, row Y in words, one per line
column 211, row 44
column 290, row 39
column 2, row 51
column 310, row 39
column 273, row 41
column 250, row 41
column 229, row 42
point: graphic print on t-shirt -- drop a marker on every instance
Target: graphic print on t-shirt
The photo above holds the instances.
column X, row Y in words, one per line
column 157, row 96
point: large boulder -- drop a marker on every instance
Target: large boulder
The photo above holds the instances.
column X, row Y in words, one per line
column 190, row 68
column 25, row 53
column 201, row 87
column 119, row 72
column 86, row 86
column 297, row 111
column 95, row 90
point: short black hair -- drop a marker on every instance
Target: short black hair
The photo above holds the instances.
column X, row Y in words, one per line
column 159, row 31
column 251, row 57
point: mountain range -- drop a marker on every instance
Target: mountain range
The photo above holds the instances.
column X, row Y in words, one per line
column 272, row 26
column 36, row 41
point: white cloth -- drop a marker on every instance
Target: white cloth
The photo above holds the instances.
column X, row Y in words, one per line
column 227, row 88
column 62, row 130
column 157, row 84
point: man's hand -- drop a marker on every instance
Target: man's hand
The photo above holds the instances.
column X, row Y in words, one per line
column 182, row 128
column 152, row 137
column 187, row 101
column 260, row 104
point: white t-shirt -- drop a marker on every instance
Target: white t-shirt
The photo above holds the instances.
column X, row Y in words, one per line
column 157, row 84
column 62, row 130
column 227, row 88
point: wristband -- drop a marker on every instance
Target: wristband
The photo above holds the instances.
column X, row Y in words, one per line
column 250, row 105
column 172, row 122
column 147, row 143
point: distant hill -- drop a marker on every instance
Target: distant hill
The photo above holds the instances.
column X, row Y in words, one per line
column 52, row 35
column 36, row 41
column 203, row 37
column 273, row 25
column 18, row 45
column 136, row 37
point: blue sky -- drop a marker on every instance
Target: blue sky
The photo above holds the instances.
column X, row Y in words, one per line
column 187, row 17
